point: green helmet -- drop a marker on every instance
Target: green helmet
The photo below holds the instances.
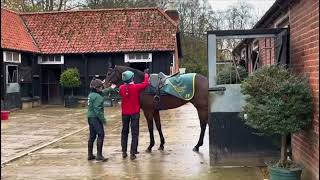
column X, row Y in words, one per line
column 127, row 76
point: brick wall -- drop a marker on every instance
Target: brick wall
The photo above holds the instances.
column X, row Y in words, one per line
column 304, row 42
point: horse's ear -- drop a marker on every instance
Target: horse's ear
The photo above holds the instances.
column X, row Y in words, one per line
column 109, row 63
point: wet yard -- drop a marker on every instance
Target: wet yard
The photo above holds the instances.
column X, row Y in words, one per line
column 66, row 158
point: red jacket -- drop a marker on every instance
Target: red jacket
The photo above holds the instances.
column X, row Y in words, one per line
column 130, row 101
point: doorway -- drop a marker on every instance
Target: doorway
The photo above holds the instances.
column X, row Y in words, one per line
column 50, row 87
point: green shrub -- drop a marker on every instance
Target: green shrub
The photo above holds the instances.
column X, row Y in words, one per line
column 277, row 102
column 70, row 78
column 228, row 75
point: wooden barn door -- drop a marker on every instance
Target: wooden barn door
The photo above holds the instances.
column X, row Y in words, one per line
column 51, row 89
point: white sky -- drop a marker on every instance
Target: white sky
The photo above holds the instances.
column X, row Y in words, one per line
column 260, row 6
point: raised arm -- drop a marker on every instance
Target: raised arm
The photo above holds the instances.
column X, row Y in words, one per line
column 144, row 84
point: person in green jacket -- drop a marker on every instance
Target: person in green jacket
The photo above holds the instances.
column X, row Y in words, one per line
column 96, row 119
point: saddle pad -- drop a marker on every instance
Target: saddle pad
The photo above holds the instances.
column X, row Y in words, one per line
column 181, row 86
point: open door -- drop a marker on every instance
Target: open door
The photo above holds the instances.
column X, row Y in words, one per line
column 232, row 142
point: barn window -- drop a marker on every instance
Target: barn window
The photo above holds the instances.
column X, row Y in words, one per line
column 138, row 57
column 12, row 74
column 51, row 59
column 10, row 56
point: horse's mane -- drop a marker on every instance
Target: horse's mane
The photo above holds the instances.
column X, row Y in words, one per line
column 138, row 74
column 125, row 68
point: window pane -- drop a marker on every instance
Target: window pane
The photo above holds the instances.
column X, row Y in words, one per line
column 57, row 58
column 51, row 58
column 138, row 56
column 45, row 59
column 15, row 57
column 145, row 56
column 8, row 56
column 131, row 56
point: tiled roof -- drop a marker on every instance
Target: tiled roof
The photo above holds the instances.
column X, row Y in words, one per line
column 94, row 31
column 14, row 34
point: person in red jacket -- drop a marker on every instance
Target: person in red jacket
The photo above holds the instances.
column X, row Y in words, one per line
column 130, row 93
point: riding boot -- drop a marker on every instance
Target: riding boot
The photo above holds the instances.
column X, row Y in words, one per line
column 90, row 149
column 99, row 151
column 124, row 155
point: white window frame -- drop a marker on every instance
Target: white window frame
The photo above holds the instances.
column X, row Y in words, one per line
column 128, row 60
column 40, row 60
column 5, row 54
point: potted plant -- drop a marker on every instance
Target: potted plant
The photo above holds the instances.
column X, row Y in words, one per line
column 70, row 78
column 278, row 102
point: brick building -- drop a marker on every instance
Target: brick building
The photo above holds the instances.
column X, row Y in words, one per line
column 301, row 18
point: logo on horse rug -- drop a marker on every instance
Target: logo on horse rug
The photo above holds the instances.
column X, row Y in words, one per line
column 179, row 85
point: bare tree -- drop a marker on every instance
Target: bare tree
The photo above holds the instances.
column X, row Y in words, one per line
column 38, row 5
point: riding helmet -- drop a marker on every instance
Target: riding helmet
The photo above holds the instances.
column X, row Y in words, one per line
column 127, row 76
column 95, row 83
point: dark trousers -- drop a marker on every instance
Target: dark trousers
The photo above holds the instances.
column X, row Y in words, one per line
column 96, row 129
column 132, row 120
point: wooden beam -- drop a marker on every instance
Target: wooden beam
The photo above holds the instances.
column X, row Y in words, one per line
column 85, row 73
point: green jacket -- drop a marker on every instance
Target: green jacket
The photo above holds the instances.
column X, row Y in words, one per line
column 95, row 105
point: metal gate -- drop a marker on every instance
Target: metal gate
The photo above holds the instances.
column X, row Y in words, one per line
column 232, row 143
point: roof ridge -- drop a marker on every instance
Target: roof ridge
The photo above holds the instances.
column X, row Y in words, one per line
column 9, row 10
column 97, row 10
column 88, row 10
column 29, row 32
column 167, row 16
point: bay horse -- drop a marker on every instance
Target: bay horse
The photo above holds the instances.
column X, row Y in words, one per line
column 200, row 102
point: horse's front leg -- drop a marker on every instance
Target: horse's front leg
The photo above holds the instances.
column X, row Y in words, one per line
column 158, row 124
column 149, row 117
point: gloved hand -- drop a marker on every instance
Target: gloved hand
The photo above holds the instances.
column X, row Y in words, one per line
column 146, row 70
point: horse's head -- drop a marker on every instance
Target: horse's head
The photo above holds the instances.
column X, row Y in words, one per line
column 114, row 76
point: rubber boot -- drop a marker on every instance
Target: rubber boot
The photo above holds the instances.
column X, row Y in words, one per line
column 99, row 151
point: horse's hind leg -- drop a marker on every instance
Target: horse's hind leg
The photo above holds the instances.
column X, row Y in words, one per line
column 156, row 116
column 149, row 117
column 203, row 116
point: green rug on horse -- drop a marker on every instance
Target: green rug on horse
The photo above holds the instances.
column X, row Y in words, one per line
column 180, row 86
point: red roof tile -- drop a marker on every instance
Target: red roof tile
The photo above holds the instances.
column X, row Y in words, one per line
column 113, row 30
column 14, row 34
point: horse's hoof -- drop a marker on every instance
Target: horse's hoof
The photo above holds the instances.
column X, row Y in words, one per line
column 161, row 148
column 195, row 149
column 148, row 150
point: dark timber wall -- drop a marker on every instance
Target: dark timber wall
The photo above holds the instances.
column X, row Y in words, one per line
column 88, row 65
